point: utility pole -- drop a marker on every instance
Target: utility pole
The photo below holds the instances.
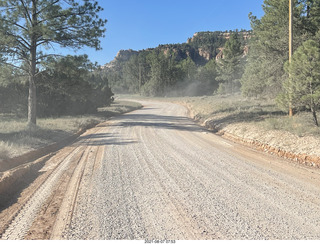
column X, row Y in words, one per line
column 290, row 46
column 290, row 29
column 140, row 77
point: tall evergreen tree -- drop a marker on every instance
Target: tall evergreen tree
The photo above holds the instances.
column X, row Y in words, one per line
column 164, row 73
column 207, row 76
column 28, row 25
column 230, row 67
column 132, row 74
column 302, row 89
column 311, row 16
column 264, row 72
column 155, row 86
column 189, row 69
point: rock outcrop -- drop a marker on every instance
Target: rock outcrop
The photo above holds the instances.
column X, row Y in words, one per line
column 202, row 47
column 125, row 55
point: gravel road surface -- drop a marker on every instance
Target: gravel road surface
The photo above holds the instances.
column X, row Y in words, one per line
column 155, row 174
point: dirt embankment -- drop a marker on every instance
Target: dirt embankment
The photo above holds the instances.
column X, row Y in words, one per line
column 305, row 150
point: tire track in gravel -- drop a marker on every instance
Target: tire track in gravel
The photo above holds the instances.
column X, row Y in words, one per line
column 182, row 169
column 179, row 221
column 80, row 181
column 58, row 165
column 229, row 174
column 182, row 224
column 20, row 225
column 86, row 209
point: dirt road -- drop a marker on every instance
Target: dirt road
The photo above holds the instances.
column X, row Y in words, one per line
column 154, row 174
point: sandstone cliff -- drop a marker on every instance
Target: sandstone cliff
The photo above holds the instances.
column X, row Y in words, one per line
column 201, row 48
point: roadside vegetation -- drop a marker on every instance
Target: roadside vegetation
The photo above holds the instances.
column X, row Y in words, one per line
column 223, row 110
column 17, row 138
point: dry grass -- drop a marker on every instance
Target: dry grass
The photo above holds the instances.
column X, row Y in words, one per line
column 234, row 109
column 301, row 124
column 257, row 120
column 16, row 138
column 5, row 149
column 230, row 109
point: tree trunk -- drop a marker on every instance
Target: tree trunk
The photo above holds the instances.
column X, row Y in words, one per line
column 290, row 110
column 315, row 119
column 32, row 103
column 32, row 99
column 314, row 112
column 290, row 47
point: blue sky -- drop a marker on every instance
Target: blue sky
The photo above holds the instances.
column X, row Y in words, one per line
column 141, row 24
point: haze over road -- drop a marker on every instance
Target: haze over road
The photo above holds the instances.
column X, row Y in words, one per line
column 155, row 174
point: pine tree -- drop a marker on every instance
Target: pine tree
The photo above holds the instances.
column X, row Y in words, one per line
column 230, row 68
column 302, row 89
column 311, row 16
column 264, row 72
column 28, row 25
column 189, row 69
column 132, row 74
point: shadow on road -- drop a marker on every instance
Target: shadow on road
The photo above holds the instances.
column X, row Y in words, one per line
column 102, row 139
column 159, row 121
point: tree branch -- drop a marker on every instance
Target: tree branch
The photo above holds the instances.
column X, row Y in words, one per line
column 48, row 6
column 48, row 55
column 27, row 15
column 14, row 66
column 22, row 41
column 63, row 15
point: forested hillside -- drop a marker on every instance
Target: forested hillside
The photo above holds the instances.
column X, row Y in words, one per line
column 178, row 69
